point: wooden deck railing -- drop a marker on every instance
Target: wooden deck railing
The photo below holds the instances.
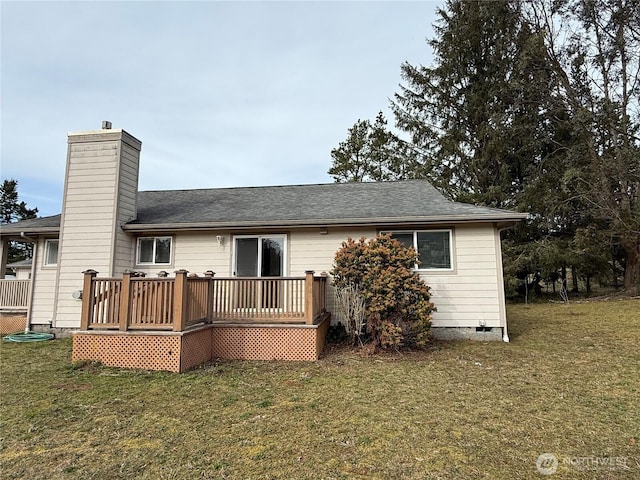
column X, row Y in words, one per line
column 319, row 295
column 259, row 299
column 151, row 303
column 135, row 302
column 14, row 294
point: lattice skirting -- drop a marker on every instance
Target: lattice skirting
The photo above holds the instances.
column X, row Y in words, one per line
column 180, row 351
column 299, row 343
column 12, row 322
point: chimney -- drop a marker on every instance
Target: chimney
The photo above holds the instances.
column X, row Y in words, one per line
column 101, row 186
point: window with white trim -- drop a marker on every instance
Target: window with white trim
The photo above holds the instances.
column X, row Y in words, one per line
column 435, row 247
column 154, row 251
column 51, row 253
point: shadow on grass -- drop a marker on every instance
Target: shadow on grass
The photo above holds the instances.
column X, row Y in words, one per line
column 338, row 352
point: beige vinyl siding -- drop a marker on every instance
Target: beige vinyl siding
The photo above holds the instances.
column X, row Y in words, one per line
column 196, row 252
column 307, row 249
column 44, row 288
column 463, row 297
column 124, row 254
column 470, row 293
column 310, row 250
column 86, row 231
column 199, row 252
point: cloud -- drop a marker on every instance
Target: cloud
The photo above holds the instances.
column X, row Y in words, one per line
column 220, row 93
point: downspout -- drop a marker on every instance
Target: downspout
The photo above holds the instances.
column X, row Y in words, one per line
column 505, row 333
column 32, row 280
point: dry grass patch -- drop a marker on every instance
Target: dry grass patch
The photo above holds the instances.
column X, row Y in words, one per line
column 568, row 384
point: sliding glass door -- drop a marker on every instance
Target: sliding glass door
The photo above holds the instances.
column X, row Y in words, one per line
column 259, row 256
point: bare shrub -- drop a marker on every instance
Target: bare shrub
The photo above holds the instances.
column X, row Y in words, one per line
column 351, row 306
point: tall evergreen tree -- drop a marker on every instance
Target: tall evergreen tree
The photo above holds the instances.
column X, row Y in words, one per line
column 350, row 157
column 593, row 47
column 370, row 153
column 486, row 121
column 471, row 116
column 534, row 106
column 12, row 210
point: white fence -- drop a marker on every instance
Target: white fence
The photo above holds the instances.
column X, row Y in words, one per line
column 14, row 294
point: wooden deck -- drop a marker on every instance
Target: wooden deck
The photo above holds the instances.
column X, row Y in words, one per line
column 178, row 323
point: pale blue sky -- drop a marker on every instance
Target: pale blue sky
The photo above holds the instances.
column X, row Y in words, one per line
column 220, row 93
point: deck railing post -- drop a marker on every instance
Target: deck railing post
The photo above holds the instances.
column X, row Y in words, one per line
column 87, row 298
column 323, row 291
column 180, row 301
column 308, row 297
column 125, row 301
column 210, row 274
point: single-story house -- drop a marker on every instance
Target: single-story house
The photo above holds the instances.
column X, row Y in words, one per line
column 21, row 269
column 261, row 256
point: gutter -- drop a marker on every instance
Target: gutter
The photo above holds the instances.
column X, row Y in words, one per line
column 505, row 222
column 44, row 230
column 508, row 221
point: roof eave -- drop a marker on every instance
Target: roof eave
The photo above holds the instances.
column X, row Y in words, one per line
column 503, row 220
column 13, row 232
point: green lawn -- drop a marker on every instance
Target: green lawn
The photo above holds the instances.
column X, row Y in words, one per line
column 567, row 384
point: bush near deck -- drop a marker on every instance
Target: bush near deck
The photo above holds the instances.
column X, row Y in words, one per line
column 397, row 301
column 567, row 384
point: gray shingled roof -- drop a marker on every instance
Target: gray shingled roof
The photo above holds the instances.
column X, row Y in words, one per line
column 322, row 204
column 33, row 226
column 414, row 201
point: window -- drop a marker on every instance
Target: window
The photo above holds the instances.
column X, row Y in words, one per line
column 435, row 249
column 154, row 251
column 50, row 253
